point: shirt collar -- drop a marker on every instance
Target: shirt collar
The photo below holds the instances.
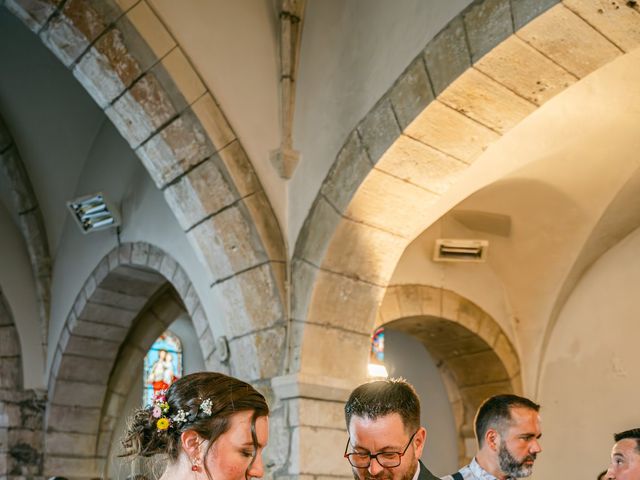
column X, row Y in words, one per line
column 480, row 472
column 417, row 474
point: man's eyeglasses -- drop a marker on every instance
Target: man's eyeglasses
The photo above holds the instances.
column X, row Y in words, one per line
column 385, row 459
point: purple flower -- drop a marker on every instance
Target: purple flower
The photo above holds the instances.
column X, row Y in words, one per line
column 157, row 412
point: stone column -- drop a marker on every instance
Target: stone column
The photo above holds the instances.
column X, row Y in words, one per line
column 315, row 429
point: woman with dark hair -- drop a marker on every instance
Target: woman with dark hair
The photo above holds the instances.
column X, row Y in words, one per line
column 207, row 425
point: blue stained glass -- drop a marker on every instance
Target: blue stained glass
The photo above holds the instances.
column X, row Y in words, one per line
column 377, row 346
column 162, row 365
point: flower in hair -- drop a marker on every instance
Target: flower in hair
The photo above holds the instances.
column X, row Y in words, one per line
column 180, row 417
column 163, row 424
column 206, row 407
column 157, row 412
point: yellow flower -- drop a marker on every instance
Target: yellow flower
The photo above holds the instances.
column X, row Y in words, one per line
column 162, row 423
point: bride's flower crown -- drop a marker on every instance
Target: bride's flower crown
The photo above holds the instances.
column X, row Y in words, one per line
column 160, row 411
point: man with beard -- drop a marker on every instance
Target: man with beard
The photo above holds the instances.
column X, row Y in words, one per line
column 385, row 436
column 625, row 456
column 507, row 430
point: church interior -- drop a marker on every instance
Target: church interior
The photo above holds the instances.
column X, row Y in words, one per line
column 301, row 192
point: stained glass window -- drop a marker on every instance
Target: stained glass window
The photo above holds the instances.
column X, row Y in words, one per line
column 162, row 365
column 377, row 346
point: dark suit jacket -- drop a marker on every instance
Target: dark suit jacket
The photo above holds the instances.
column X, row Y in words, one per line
column 425, row 474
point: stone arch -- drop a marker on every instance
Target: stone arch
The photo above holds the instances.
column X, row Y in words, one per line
column 31, row 223
column 135, row 70
column 487, row 70
column 475, row 357
column 21, row 411
column 129, row 285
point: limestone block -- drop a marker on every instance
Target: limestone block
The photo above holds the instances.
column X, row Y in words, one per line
column 191, row 300
column 477, row 369
column 344, row 302
column 389, row 309
column 155, row 258
column 9, row 344
column 78, row 394
column 317, row 231
column 239, row 168
column 180, row 282
column 322, row 345
column 199, row 320
column 80, row 22
column 91, row 347
column 486, row 101
column 487, row 23
column 114, row 404
column 72, row 466
column 10, row 372
column 112, row 298
column 318, row 451
column 368, row 253
column 410, row 300
column 94, row 312
column 177, row 148
column 258, row 355
column 347, row 173
column 411, row 93
column 451, row 132
column 202, row 192
column 108, row 68
column 460, row 311
column 213, row 121
column 34, row 13
column 183, row 75
column 9, row 415
column 618, row 24
column 447, row 55
column 84, row 369
column 524, row 11
column 227, row 242
column 507, row 355
column 379, row 129
column 488, row 330
column 419, row 164
column 167, row 267
column 22, row 192
column 207, row 343
column 152, row 30
column 68, row 443
column 250, row 301
column 266, row 225
column 316, row 413
column 146, row 331
column 78, row 419
column 140, row 253
column 112, row 333
column 114, row 258
column 391, row 204
column 524, row 70
column 140, row 112
column 569, row 41
column 303, row 277
column 135, row 281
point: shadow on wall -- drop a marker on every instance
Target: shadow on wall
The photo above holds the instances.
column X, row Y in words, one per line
column 405, row 356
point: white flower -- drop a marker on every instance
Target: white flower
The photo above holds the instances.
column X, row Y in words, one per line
column 180, row 417
column 206, row 407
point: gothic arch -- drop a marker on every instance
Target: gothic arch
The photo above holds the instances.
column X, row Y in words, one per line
column 134, row 69
column 475, row 357
column 486, row 71
column 127, row 287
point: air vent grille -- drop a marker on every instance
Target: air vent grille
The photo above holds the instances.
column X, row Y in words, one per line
column 460, row 250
